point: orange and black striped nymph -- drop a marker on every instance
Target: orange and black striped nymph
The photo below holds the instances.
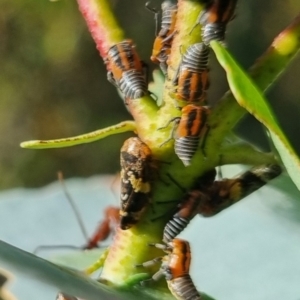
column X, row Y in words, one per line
column 214, row 19
column 208, row 198
column 175, row 268
column 136, row 176
column 192, row 126
column 189, row 206
column 163, row 41
column 125, row 70
column 191, row 80
column 122, row 57
column 222, row 194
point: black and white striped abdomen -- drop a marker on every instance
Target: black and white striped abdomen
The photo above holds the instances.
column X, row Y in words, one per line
column 196, row 58
column 174, row 227
column 213, row 31
column 185, row 148
column 169, row 11
column 183, row 288
column 133, row 85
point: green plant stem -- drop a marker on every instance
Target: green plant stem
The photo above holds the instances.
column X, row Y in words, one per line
column 130, row 247
column 234, row 154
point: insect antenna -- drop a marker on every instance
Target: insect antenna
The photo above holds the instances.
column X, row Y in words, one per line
column 156, row 13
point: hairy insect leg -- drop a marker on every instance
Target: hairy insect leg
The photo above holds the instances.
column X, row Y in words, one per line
column 150, row 263
column 176, row 120
column 156, row 276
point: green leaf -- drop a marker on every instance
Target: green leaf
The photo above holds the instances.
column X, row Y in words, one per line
column 249, row 96
column 71, row 282
column 75, row 283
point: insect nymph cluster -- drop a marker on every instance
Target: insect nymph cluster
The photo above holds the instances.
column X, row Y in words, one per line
column 165, row 152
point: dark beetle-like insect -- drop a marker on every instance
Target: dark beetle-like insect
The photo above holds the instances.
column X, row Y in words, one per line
column 136, row 175
column 191, row 79
column 214, row 19
column 175, row 267
column 163, row 41
column 208, row 199
column 187, row 210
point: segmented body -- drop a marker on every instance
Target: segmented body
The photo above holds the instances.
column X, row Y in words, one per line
column 183, row 288
column 191, row 80
column 175, row 268
column 163, row 41
column 186, row 211
column 215, row 18
column 226, row 192
column 125, row 70
column 136, row 175
column 123, row 57
column 190, row 129
column 210, row 197
column 133, row 85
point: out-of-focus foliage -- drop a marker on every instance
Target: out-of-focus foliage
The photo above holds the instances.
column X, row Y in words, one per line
column 53, row 82
column 252, row 99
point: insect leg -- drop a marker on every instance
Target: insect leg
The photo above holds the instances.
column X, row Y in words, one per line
column 150, row 263
column 110, row 221
column 98, row 264
column 176, row 121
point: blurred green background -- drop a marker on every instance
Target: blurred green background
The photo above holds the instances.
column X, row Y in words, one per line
column 53, row 83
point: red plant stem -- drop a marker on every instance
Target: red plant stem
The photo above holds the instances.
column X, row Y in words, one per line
column 101, row 24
